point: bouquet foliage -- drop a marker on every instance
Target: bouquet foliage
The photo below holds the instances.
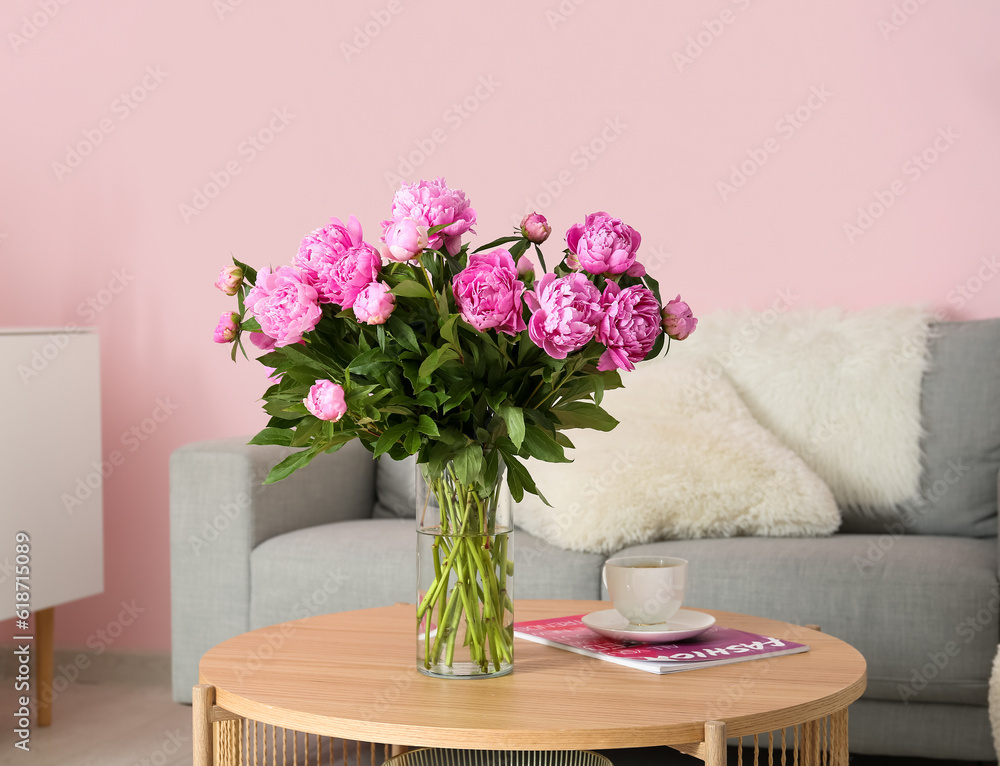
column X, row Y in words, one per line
column 424, row 348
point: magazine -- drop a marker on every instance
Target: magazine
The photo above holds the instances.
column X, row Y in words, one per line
column 716, row 646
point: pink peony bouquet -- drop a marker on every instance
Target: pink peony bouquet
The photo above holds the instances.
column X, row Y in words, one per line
column 419, row 346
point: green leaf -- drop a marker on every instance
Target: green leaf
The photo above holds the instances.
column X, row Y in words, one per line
column 290, row 465
column 403, row 334
column 435, row 359
column 285, row 423
column 427, row 399
column 657, row 346
column 249, row 273
column 468, row 462
column 412, row 442
column 448, row 329
column 390, row 436
column 539, row 444
column 306, row 430
column 271, row 359
column 653, row 285
column 517, row 249
column 411, row 288
column 584, row 415
column 435, row 229
column 250, row 325
column 500, row 241
column 279, row 436
column 541, row 258
column 518, row 479
column 370, row 362
column 426, row 425
column 514, row 418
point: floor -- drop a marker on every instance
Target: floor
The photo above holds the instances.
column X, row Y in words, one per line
column 130, row 722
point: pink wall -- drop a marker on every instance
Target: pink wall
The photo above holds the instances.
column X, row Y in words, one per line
column 576, row 105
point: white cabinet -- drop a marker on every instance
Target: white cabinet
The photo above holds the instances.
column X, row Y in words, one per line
column 51, row 464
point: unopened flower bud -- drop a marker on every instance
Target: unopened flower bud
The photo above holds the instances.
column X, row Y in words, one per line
column 226, row 329
column 230, row 279
column 535, row 228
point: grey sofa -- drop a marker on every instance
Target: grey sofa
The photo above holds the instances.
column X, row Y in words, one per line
column 917, row 593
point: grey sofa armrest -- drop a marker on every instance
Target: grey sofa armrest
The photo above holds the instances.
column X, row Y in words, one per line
column 220, row 511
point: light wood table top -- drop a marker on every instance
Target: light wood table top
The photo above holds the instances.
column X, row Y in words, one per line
column 353, row 675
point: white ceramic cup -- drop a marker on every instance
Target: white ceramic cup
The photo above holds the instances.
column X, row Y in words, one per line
column 646, row 590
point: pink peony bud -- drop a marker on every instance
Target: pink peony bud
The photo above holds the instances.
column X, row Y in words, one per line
column 678, row 321
column 374, row 304
column 230, row 279
column 404, row 240
column 525, row 268
column 535, row 228
column 226, row 329
column 326, row 400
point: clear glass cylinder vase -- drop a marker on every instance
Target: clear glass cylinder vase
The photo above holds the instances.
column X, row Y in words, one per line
column 465, row 576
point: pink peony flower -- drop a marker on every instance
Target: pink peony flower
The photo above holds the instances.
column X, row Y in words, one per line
column 636, row 270
column 678, row 321
column 630, row 326
column 338, row 262
column 488, row 293
column 565, row 313
column 284, row 304
column 341, row 280
column 230, row 279
column 404, row 240
column 603, row 244
column 432, row 203
column 326, row 400
column 262, row 341
column 226, row 329
column 374, row 304
column 535, row 228
column 326, row 244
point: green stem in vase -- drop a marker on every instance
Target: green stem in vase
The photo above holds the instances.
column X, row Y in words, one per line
column 464, row 549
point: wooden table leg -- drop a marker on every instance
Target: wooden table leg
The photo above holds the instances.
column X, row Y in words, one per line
column 202, row 699
column 810, row 747
column 44, row 662
column 715, row 743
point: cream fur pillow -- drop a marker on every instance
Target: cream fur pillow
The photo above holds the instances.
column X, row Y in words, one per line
column 842, row 389
column 687, row 460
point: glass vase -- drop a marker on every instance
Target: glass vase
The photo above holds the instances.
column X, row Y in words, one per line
column 465, row 576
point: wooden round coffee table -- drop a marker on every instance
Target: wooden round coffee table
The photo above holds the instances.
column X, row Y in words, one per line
column 352, row 675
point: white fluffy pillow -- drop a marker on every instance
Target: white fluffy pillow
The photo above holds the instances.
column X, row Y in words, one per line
column 688, row 460
column 842, row 389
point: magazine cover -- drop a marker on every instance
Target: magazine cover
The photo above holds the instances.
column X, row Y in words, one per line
column 718, row 645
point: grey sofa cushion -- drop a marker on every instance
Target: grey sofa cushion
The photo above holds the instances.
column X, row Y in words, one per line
column 908, row 604
column 395, row 488
column 960, row 412
column 372, row 562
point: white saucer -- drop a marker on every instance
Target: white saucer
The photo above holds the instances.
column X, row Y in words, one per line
column 685, row 624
